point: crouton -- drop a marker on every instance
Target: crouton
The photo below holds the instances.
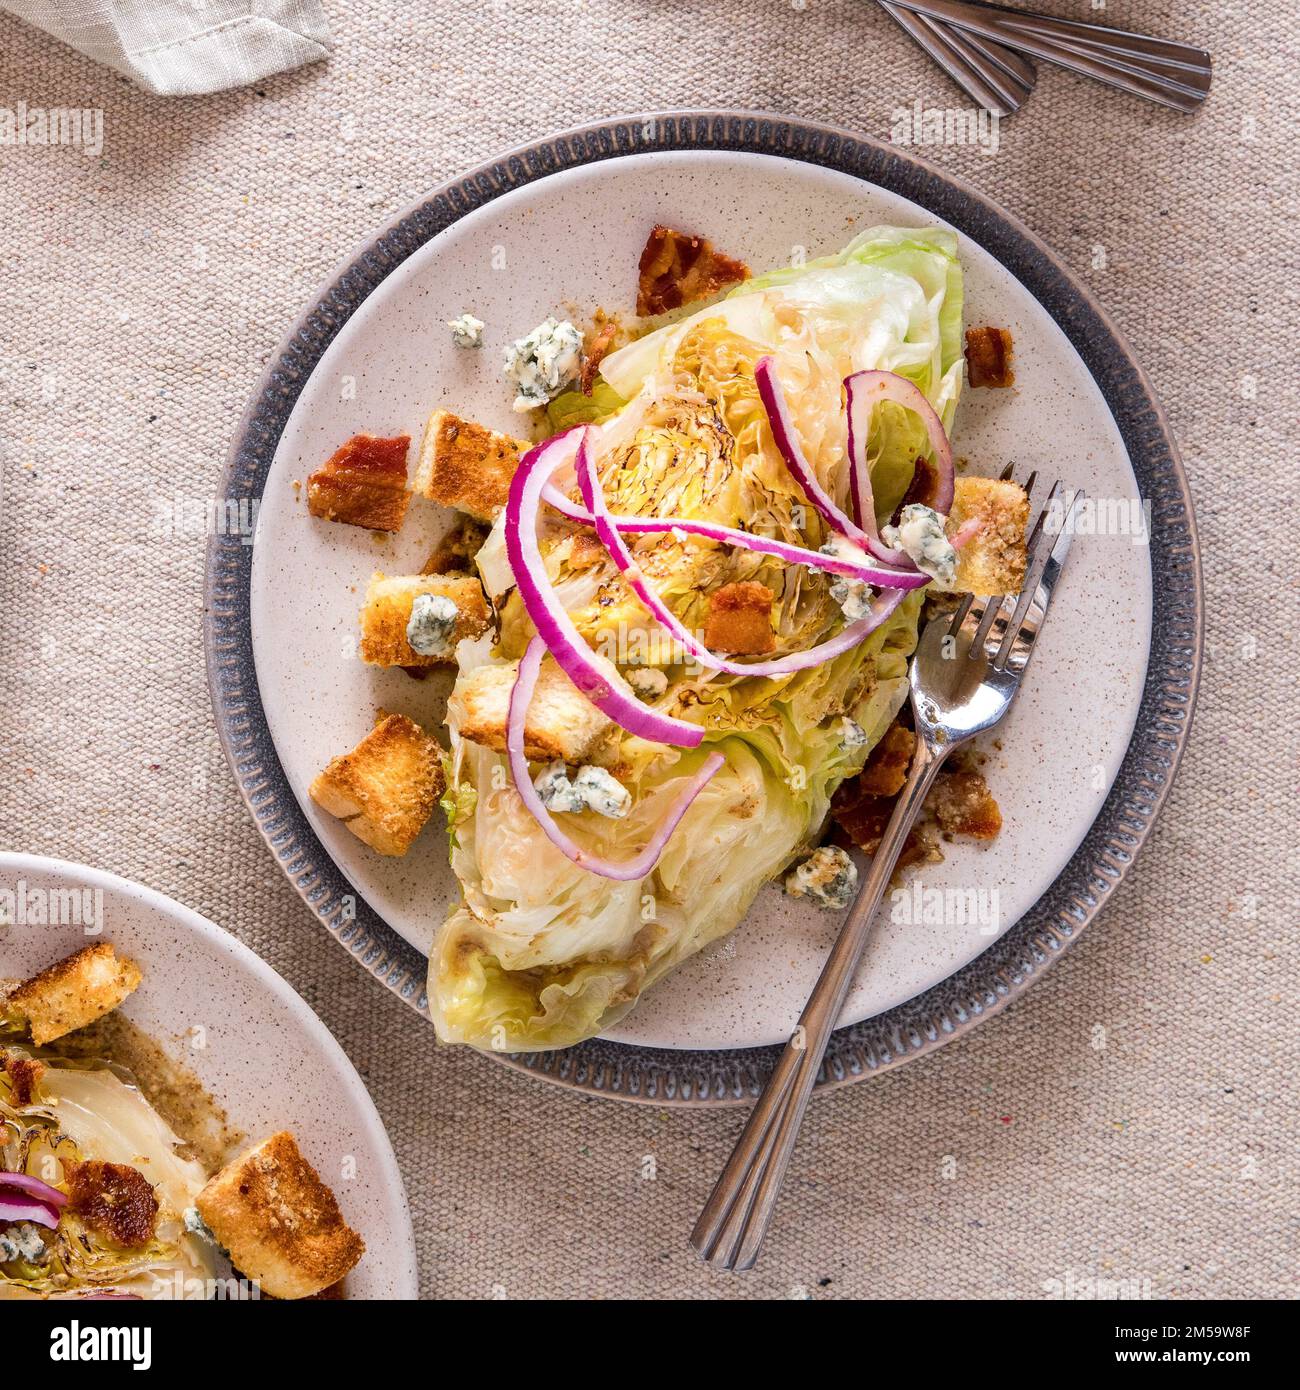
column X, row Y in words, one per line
column 24, row 1075
column 386, row 787
column 73, row 992
column 363, row 483
column 455, row 552
column 740, row 619
column 562, row 723
column 993, row 560
column 466, row 466
column 963, row 805
column 279, row 1221
column 676, row 268
column 387, row 611
column 988, row 357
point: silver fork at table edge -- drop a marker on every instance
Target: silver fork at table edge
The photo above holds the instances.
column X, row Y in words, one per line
column 1171, row 74
column 997, row 78
column 999, row 635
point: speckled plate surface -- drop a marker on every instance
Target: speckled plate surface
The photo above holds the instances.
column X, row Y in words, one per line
column 253, row 1044
column 374, row 354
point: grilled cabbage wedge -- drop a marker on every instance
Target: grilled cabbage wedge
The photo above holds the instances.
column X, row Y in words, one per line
column 540, row 953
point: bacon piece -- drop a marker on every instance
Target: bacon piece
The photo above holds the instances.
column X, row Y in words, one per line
column 24, row 1075
column 740, row 619
column 886, row 767
column 988, row 357
column 115, row 1200
column 595, row 355
column 676, row 268
column 964, row 805
column 455, row 552
column 363, row 483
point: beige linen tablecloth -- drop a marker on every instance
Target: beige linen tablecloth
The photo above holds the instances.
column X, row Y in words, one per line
column 1131, row 1119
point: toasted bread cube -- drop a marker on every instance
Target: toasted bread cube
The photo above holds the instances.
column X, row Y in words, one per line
column 73, row 992
column 562, row 723
column 363, row 483
column 993, row 560
column 386, row 787
column 388, row 610
column 279, row 1221
column 740, row 619
column 466, row 466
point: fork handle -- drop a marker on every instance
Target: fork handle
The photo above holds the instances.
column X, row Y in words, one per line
column 736, row 1216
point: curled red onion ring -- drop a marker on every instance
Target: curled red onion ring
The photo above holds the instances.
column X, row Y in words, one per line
column 23, row 1208
column 879, row 575
column 594, row 677
column 633, row 869
column 782, row 666
column 783, row 432
column 34, row 1187
column 863, row 392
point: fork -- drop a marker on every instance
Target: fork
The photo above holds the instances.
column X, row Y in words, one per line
column 998, row 78
column 1171, row 74
column 966, row 674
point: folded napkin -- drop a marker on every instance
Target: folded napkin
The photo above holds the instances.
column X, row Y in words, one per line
column 190, row 47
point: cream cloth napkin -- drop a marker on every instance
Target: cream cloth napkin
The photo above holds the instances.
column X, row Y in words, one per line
column 188, row 47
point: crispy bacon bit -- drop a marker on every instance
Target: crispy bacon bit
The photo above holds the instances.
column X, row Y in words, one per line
column 455, row 552
column 740, row 619
column 988, row 357
column 363, row 483
column 921, row 490
column 886, row 766
column 594, row 355
column 586, row 551
column 24, row 1075
column 676, row 268
column 115, row 1200
column 964, row 805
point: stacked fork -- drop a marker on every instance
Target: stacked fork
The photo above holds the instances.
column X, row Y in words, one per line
column 980, row 46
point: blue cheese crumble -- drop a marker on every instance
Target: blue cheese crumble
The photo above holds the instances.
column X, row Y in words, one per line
column 543, row 363
column 592, row 789
column 432, row 624
column 647, row 682
column 853, row 595
column 920, row 533
column 852, row 734
column 466, row 331
column 22, row 1242
column 828, row 876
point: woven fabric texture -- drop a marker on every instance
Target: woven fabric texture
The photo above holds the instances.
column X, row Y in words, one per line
column 1131, row 1119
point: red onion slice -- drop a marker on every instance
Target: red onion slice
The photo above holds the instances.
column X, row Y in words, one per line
column 633, row 869
column 782, row 666
column 783, row 432
column 866, row 390
column 33, row 1187
column 14, row 1207
column 879, row 575
column 595, row 677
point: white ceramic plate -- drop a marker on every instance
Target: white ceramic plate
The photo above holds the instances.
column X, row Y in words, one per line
column 567, row 244
column 267, row 1059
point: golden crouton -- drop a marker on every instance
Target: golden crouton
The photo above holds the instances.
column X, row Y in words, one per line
column 388, row 610
column 964, row 805
column 73, row 992
column 562, row 723
column 386, row 787
column 466, row 466
column 280, row 1223
column 740, row 619
column 993, row 560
